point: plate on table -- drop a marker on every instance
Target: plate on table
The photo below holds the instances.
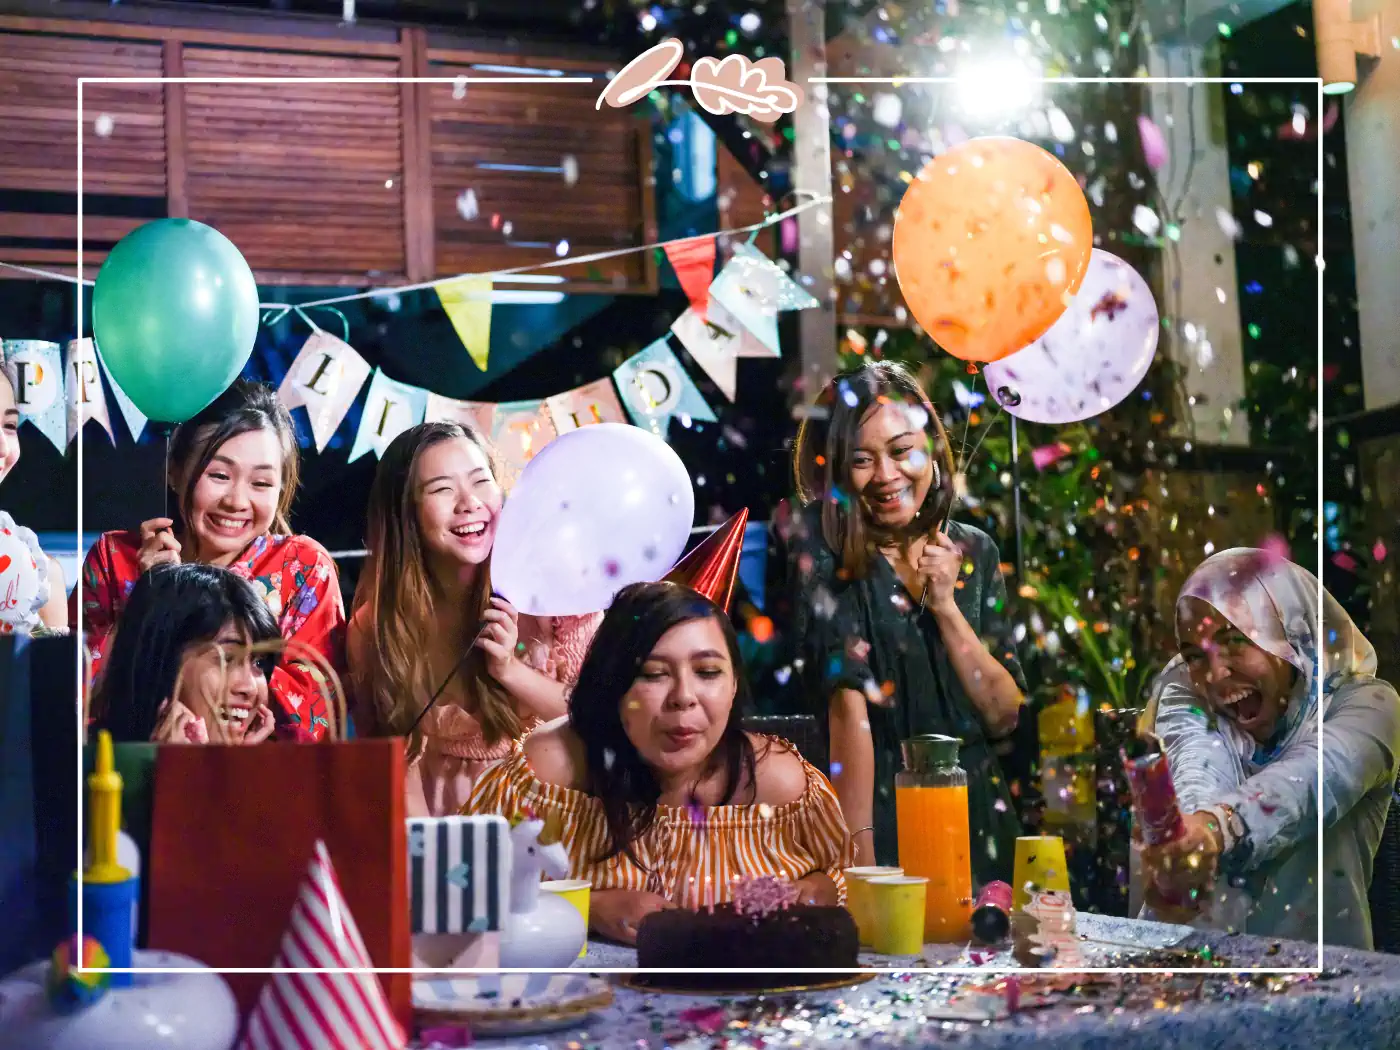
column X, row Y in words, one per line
column 676, row 983
column 509, row 1003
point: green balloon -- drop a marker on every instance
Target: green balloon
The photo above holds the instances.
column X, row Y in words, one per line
column 175, row 316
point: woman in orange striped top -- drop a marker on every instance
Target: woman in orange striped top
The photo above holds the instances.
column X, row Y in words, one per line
column 662, row 797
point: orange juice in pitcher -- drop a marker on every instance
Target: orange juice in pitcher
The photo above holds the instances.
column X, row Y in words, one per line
column 934, row 838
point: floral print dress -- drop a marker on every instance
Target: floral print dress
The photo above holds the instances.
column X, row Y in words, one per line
column 293, row 574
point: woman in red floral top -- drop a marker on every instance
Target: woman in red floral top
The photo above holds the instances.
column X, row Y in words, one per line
column 234, row 468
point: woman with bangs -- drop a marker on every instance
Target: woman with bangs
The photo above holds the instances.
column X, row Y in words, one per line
column 434, row 655
column 234, row 470
column 899, row 612
column 189, row 663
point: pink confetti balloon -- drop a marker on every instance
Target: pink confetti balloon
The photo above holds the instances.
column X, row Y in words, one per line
column 1091, row 358
column 1154, row 146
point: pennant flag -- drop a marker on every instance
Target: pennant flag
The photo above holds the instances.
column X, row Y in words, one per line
column 594, row 402
column 305, row 1010
column 324, row 379
column 694, row 263
column 474, row 414
column 35, row 369
column 467, row 301
column 135, row 418
column 520, row 429
column 86, row 398
column 754, row 290
column 655, row 388
column 716, row 342
column 390, row 409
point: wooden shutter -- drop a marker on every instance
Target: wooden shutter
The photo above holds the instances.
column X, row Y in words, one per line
column 305, row 178
column 525, row 211
column 39, row 144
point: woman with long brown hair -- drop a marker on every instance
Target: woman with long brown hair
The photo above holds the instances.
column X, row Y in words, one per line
column 899, row 612
column 434, row 656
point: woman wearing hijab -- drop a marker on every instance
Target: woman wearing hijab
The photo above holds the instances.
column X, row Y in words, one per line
column 1242, row 711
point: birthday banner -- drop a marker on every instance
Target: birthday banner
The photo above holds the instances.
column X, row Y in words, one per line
column 732, row 316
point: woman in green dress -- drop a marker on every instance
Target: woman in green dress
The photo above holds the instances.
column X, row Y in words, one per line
column 899, row 613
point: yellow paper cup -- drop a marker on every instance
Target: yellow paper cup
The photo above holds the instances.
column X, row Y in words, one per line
column 858, row 898
column 576, row 892
column 1040, row 865
column 897, row 911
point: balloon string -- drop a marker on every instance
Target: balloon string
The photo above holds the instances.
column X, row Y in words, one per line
column 446, row 681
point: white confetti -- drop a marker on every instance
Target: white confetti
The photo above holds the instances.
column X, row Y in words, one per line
column 750, row 22
column 570, row 169
column 466, row 205
column 459, row 88
column 1055, row 271
column 1110, row 131
column 1060, row 126
column 1226, row 220
column 887, row 110
column 103, row 125
column 1263, row 218
column 1146, row 220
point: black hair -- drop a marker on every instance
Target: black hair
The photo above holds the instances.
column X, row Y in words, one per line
column 617, row 776
column 170, row 608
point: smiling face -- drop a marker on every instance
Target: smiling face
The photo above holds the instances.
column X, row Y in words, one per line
column 9, row 427
column 1242, row 682
column 891, row 469
column 679, row 704
column 221, row 682
column 458, row 501
column 235, row 499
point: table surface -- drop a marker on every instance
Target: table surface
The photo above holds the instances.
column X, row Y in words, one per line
column 1354, row 1003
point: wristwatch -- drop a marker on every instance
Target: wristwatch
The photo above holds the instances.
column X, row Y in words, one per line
column 1232, row 827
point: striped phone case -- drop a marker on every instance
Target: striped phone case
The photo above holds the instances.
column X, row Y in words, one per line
column 459, row 874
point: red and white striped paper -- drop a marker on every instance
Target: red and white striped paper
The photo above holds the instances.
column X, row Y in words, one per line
column 318, row 1011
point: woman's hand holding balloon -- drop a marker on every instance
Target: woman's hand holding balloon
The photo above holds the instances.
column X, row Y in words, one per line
column 940, row 562
column 500, row 633
column 158, row 544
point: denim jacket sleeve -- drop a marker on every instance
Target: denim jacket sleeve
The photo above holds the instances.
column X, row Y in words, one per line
column 1203, row 764
column 1360, row 741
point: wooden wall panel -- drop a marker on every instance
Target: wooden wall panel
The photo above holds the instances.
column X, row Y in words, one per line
column 305, row 178
column 39, row 115
column 524, row 213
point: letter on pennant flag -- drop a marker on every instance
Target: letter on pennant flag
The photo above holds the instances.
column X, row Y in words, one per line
column 594, row 402
column 35, row 369
column 467, row 301
column 694, row 263
column 654, row 388
column 716, row 343
column 519, row 430
column 390, row 409
column 86, row 398
column 475, row 414
column 325, row 379
column 754, row 290
column 135, row 418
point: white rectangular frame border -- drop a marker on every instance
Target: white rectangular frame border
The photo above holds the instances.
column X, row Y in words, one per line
column 893, row 81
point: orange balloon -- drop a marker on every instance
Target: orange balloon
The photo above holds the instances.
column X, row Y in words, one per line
column 991, row 242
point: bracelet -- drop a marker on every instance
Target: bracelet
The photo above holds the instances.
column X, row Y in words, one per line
column 862, row 831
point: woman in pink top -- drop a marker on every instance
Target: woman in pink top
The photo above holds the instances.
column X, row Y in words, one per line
column 425, row 622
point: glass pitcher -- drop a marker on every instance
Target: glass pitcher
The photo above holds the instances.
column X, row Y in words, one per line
column 934, row 840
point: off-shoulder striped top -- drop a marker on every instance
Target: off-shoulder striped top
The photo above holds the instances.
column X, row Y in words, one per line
column 691, row 856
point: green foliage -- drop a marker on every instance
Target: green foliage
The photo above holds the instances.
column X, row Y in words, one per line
column 1085, row 596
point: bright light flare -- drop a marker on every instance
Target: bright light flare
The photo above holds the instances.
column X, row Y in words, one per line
column 997, row 89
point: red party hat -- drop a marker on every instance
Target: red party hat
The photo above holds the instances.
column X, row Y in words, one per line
column 712, row 567
column 310, row 1011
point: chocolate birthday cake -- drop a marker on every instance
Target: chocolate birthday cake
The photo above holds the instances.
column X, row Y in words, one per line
column 762, row 927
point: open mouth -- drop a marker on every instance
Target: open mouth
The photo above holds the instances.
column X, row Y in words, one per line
column 225, row 526
column 470, row 531
column 889, row 500
column 1242, row 704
